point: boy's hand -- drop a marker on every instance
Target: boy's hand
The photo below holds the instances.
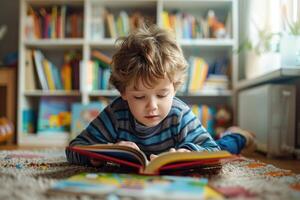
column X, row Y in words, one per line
column 152, row 156
column 129, row 144
column 179, row 150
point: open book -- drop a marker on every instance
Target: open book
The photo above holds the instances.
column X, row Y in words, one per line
column 132, row 186
column 168, row 161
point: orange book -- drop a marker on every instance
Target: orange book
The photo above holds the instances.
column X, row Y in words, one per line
column 101, row 56
column 66, row 72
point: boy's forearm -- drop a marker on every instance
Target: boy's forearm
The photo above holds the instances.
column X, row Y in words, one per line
column 196, row 147
column 76, row 158
column 201, row 142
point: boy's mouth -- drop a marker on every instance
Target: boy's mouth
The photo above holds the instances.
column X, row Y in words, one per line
column 151, row 116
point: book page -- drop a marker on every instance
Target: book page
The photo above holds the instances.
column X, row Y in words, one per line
column 177, row 157
column 118, row 151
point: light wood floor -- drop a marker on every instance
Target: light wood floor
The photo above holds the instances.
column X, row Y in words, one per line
column 290, row 164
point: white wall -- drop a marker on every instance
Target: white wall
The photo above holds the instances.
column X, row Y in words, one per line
column 9, row 15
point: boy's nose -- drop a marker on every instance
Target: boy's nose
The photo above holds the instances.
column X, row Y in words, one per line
column 152, row 104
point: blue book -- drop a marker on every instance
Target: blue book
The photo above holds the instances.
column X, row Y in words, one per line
column 54, row 115
column 82, row 115
column 56, row 77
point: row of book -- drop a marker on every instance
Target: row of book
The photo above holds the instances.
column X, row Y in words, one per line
column 67, row 22
column 189, row 26
column 54, row 22
column 206, row 115
column 104, row 23
column 98, row 72
column 57, row 115
column 46, row 75
column 203, row 76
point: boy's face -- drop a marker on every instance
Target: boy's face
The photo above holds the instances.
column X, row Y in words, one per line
column 150, row 106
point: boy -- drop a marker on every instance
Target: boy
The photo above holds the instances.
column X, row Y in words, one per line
column 147, row 70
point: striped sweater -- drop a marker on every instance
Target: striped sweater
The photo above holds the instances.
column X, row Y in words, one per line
column 180, row 129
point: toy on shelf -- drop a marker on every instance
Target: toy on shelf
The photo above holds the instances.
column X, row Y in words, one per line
column 223, row 120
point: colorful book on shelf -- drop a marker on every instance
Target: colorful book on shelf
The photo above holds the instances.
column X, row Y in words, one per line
column 162, row 164
column 57, row 77
column 111, row 25
column 82, row 115
column 49, row 74
column 66, row 76
column 28, row 121
column 54, row 115
column 38, row 58
column 30, row 72
column 198, row 73
column 135, row 186
column 106, row 60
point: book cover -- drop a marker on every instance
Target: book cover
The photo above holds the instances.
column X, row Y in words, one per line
column 49, row 74
column 30, row 73
column 38, row 58
column 54, row 115
column 168, row 161
column 82, row 115
column 136, row 186
column 28, row 121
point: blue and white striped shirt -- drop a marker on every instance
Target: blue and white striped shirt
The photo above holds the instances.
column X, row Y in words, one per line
column 180, row 129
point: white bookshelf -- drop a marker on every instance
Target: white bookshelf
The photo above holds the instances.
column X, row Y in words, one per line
column 30, row 98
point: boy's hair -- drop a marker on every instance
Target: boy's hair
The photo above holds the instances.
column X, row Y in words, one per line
column 147, row 54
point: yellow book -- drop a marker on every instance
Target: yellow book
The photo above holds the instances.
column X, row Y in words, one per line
column 110, row 19
column 203, row 73
column 195, row 79
column 205, row 115
column 195, row 109
column 49, row 75
column 163, row 164
column 166, row 20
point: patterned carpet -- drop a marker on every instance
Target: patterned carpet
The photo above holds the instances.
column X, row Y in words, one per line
column 28, row 175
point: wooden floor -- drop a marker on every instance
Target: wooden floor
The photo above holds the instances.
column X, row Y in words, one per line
column 290, row 164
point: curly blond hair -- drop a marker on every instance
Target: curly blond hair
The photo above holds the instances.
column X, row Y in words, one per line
column 147, row 54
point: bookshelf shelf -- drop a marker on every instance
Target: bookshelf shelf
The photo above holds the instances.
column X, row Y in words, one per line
column 205, row 93
column 207, row 42
column 54, row 43
column 108, row 43
column 52, row 93
column 109, row 93
column 86, row 41
column 54, row 2
column 273, row 76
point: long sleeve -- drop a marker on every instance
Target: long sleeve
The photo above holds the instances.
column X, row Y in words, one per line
column 192, row 135
column 101, row 130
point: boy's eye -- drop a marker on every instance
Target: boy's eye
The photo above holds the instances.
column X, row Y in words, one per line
column 139, row 97
column 162, row 95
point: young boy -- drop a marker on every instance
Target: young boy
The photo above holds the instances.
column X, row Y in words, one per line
column 147, row 70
